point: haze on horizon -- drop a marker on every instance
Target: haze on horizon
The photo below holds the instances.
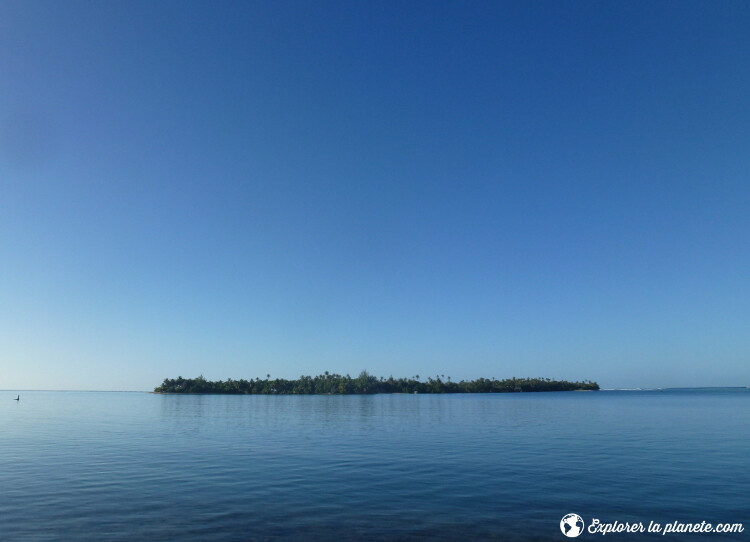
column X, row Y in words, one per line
column 498, row 189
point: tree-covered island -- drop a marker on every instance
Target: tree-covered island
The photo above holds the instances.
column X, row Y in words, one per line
column 365, row 383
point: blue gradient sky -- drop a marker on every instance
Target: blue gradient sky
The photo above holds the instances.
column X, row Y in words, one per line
column 473, row 189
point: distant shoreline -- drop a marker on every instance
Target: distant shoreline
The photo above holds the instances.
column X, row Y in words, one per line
column 365, row 384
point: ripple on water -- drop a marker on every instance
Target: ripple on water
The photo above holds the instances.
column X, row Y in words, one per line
column 124, row 466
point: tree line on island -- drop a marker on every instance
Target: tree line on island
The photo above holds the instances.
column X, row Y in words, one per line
column 365, row 383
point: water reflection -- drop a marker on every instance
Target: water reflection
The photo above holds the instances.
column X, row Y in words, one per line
column 367, row 467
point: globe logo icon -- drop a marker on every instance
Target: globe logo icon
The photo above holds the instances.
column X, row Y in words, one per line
column 571, row 525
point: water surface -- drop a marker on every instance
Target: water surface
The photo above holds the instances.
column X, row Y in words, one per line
column 128, row 466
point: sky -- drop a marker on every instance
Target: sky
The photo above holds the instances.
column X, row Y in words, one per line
column 494, row 189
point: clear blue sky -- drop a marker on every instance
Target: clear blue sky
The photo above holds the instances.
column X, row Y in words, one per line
column 473, row 189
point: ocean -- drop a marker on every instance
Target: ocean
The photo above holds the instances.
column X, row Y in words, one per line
column 141, row 466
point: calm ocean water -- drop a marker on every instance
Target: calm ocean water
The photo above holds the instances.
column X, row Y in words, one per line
column 139, row 466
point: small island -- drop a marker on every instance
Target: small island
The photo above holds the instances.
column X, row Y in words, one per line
column 365, row 383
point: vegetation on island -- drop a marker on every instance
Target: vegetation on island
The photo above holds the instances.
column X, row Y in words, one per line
column 365, row 383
